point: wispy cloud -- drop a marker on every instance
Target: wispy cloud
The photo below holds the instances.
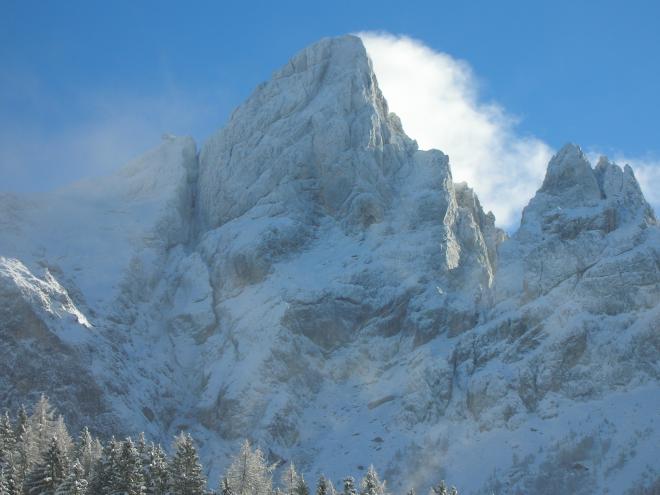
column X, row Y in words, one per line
column 648, row 175
column 104, row 131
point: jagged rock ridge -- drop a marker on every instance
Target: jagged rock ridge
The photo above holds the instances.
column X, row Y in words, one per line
column 312, row 280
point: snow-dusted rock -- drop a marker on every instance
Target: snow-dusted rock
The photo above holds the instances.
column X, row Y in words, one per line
column 47, row 345
column 581, row 223
column 316, row 139
column 313, row 281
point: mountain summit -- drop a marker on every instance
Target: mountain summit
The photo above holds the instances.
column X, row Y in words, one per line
column 322, row 121
column 313, row 281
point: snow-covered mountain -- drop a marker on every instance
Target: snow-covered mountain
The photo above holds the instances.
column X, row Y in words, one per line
column 313, row 281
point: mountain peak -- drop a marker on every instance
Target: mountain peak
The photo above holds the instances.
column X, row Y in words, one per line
column 571, row 177
column 317, row 125
column 621, row 190
column 346, row 52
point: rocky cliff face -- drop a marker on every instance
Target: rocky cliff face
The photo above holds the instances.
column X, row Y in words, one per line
column 313, row 281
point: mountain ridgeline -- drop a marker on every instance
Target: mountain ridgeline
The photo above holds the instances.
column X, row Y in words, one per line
column 309, row 279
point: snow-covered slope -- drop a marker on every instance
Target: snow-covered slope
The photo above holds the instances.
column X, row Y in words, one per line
column 315, row 282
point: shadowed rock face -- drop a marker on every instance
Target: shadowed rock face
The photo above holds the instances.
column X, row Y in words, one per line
column 311, row 280
column 329, row 322
column 34, row 358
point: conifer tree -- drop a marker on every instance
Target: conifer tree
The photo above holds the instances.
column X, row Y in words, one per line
column 439, row 489
column 96, row 454
column 75, row 482
column 64, row 439
column 14, row 483
column 301, row 486
column 331, row 487
column 104, row 469
column 186, row 477
column 21, row 461
column 248, row 473
column 49, row 473
column 141, row 445
column 143, row 452
column 125, row 468
column 7, row 439
column 88, row 452
column 4, row 485
column 22, row 419
column 349, row 486
column 127, row 477
column 40, row 430
column 157, row 475
column 290, row 479
column 323, row 487
column 225, row 489
column 371, row 484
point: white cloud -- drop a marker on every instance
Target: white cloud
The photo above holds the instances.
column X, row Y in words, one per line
column 648, row 176
column 436, row 97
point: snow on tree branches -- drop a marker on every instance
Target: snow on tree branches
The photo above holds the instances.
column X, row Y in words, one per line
column 38, row 457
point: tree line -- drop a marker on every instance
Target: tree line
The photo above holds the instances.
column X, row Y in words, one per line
column 39, row 457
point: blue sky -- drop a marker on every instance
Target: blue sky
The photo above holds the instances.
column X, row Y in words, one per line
column 85, row 85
